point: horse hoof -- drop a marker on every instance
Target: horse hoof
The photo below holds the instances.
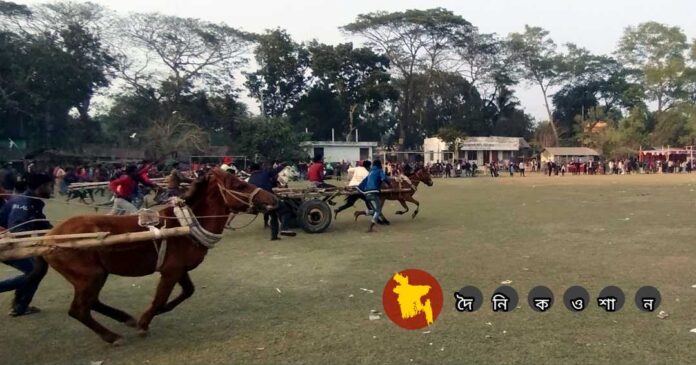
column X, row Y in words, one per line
column 118, row 342
column 143, row 333
column 131, row 323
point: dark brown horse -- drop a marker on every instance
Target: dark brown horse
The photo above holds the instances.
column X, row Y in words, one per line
column 406, row 188
column 215, row 196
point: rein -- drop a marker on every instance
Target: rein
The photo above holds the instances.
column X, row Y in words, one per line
column 236, row 196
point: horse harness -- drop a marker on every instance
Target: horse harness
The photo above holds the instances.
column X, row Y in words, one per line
column 150, row 219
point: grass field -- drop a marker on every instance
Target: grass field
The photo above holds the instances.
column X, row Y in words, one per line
column 298, row 301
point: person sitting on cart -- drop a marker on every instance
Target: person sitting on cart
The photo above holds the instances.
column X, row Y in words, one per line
column 24, row 213
column 315, row 173
column 265, row 179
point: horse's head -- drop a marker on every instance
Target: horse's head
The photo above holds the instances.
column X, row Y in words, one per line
column 423, row 175
column 237, row 195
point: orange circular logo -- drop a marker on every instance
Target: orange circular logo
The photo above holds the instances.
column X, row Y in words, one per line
column 412, row 299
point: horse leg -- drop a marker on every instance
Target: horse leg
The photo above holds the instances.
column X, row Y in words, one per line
column 187, row 290
column 86, row 295
column 113, row 313
column 403, row 204
column 358, row 213
column 164, row 290
column 414, row 201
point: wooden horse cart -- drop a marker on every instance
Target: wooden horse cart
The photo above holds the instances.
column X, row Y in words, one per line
column 311, row 207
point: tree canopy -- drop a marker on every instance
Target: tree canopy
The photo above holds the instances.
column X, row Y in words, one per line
column 73, row 74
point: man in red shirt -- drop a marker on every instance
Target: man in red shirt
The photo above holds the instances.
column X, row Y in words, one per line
column 125, row 188
column 315, row 173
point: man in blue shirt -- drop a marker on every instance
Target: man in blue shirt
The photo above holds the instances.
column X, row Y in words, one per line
column 25, row 213
column 370, row 187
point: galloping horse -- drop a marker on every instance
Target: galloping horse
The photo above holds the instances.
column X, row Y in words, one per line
column 404, row 190
column 419, row 175
column 212, row 198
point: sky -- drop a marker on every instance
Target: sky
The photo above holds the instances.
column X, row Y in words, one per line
column 594, row 24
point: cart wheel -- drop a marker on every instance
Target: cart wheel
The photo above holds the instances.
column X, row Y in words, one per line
column 314, row 215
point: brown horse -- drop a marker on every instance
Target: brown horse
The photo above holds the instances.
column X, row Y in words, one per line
column 406, row 188
column 214, row 196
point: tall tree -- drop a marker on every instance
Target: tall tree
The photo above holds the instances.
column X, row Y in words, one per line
column 177, row 55
column 48, row 72
column 594, row 81
column 415, row 41
column 658, row 51
column 281, row 78
column 357, row 76
column 540, row 64
column 270, row 139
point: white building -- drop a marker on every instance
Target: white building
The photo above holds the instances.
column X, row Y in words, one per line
column 481, row 150
column 340, row 151
column 568, row 154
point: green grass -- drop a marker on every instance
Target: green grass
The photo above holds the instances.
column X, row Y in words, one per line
column 556, row 232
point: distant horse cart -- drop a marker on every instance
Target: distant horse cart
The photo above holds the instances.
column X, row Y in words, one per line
column 311, row 207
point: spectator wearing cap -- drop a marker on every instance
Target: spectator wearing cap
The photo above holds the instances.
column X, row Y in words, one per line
column 24, row 213
column 266, row 179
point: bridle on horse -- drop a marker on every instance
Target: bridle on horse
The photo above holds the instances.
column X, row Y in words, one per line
column 244, row 198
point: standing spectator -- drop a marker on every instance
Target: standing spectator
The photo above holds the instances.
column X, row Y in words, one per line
column 511, row 168
column 302, row 168
column 448, row 170
column 59, row 175
column 522, row 168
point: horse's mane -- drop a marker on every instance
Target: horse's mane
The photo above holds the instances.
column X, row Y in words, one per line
column 200, row 185
column 197, row 188
column 416, row 170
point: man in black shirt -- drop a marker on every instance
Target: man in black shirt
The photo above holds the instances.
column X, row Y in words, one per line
column 266, row 179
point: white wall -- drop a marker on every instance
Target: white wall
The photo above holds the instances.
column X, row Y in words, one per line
column 340, row 153
column 433, row 149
